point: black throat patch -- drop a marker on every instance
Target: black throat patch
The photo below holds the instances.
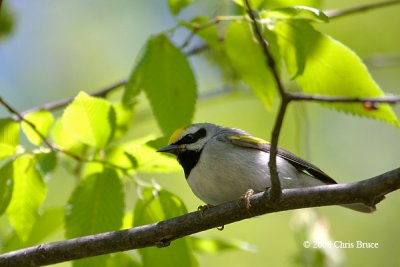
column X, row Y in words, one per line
column 188, row 160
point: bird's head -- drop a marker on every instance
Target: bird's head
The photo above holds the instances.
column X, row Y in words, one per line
column 191, row 138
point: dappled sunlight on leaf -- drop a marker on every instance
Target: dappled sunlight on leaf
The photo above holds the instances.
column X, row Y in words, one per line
column 90, row 120
column 324, row 66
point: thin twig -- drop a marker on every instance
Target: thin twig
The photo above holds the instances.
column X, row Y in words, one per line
column 264, row 45
column 160, row 234
column 333, row 14
column 54, row 147
column 86, row 160
column 270, row 62
column 197, row 28
column 64, row 102
column 197, row 50
column 341, row 99
column 33, row 126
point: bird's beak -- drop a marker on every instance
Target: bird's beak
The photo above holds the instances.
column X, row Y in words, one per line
column 173, row 149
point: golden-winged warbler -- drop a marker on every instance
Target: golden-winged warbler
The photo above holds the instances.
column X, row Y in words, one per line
column 221, row 164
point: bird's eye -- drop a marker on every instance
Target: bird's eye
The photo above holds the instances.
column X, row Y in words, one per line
column 189, row 138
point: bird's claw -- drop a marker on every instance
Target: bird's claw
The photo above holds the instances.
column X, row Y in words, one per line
column 246, row 198
column 202, row 208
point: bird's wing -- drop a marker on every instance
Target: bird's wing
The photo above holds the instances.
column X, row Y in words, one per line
column 260, row 144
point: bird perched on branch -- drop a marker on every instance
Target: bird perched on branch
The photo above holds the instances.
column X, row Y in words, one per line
column 222, row 164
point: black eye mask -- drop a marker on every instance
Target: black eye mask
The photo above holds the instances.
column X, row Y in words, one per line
column 192, row 137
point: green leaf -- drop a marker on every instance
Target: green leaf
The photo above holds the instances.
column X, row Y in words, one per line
column 136, row 154
column 124, row 116
column 155, row 206
column 295, row 13
column 164, row 73
column 135, row 83
column 150, row 161
column 212, row 245
column 98, row 261
column 7, row 150
column 6, row 21
column 91, row 168
column 177, row 5
column 133, row 161
column 6, row 185
column 96, row 205
column 293, row 48
column 128, row 220
column 216, row 54
column 64, row 140
column 255, row 4
column 42, row 120
column 249, row 61
column 29, row 193
column 9, row 133
column 47, row 224
column 90, row 120
column 287, row 3
column 324, row 66
column 208, row 34
column 46, row 162
column 266, row 4
column 122, row 260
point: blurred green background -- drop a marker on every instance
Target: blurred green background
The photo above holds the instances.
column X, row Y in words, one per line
column 58, row 48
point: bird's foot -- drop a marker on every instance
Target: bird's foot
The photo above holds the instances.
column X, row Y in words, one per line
column 246, row 198
column 202, row 208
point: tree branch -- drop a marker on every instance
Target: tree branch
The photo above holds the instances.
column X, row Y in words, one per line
column 333, row 14
column 160, row 234
column 197, row 50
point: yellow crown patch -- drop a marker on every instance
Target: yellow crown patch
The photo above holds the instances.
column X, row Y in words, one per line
column 174, row 137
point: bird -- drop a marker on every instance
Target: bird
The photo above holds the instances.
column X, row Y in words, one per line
column 221, row 164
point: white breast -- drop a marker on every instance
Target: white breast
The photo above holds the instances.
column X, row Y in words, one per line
column 220, row 177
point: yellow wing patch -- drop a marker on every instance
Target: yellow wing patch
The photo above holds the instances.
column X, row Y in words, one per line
column 174, row 137
column 249, row 139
